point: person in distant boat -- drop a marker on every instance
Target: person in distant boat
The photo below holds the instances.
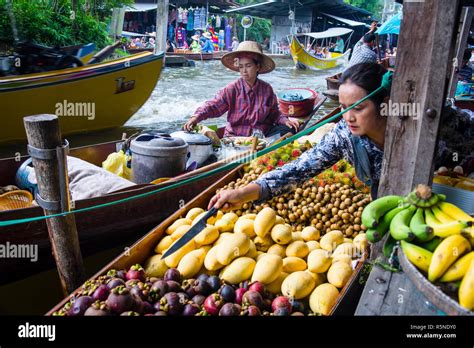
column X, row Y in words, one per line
column 363, row 50
column 195, row 46
column 465, row 72
column 235, row 43
column 207, row 47
column 339, row 45
column 250, row 103
column 319, row 53
column 326, row 53
column 170, row 46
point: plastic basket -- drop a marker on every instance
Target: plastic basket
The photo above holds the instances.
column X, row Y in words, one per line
column 464, row 199
column 18, row 199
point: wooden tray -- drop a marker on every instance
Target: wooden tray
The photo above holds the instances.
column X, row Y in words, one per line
column 429, row 290
column 144, row 248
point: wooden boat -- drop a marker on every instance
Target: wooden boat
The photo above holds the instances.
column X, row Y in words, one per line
column 144, row 247
column 332, row 83
column 86, row 98
column 118, row 223
column 183, row 53
column 305, row 60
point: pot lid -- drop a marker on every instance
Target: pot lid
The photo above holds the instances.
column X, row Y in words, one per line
column 150, row 143
column 192, row 138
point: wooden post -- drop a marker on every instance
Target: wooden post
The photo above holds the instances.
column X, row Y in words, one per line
column 465, row 25
column 43, row 133
column 161, row 26
column 427, row 38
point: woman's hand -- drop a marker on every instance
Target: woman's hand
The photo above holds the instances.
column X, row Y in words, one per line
column 189, row 126
column 293, row 124
column 227, row 200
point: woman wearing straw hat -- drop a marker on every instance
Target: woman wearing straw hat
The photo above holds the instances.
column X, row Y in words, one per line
column 208, row 47
column 250, row 103
column 195, row 46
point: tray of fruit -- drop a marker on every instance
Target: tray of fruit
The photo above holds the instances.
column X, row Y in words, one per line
column 244, row 142
column 457, row 188
column 436, row 240
column 242, row 263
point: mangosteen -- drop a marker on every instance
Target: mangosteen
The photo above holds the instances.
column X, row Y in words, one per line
column 244, row 284
column 158, row 289
column 213, row 304
column 172, row 274
column 258, row 287
column 191, row 309
column 229, row 310
column 130, row 314
column 101, row 293
column 214, row 283
column 174, row 286
column 112, row 273
column 120, row 300
column 114, row 282
column 98, row 309
column 298, row 306
column 171, row 303
column 252, row 297
column 281, row 311
column 198, row 299
column 253, row 311
column 136, row 272
column 131, row 283
column 80, row 305
column 183, row 297
column 122, row 274
column 267, row 304
column 148, row 307
column 227, row 293
column 281, row 302
column 202, row 287
column 203, row 277
column 188, row 287
column 239, row 293
column 152, row 280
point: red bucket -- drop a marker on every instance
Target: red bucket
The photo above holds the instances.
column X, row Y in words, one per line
column 300, row 108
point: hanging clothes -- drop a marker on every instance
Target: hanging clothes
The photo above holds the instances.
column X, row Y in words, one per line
column 228, row 37
column 180, row 15
column 190, row 24
column 203, row 17
column 171, row 32
column 185, row 16
column 218, row 22
column 180, row 37
column 221, row 43
column 172, row 16
column 197, row 18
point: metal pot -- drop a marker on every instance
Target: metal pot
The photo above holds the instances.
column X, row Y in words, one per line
column 200, row 146
column 157, row 155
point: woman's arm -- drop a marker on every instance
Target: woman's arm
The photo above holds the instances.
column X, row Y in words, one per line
column 213, row 108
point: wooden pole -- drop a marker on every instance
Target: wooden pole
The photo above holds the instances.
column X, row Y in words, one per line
column 465, row 25
column 43, row 132
column 161, row 25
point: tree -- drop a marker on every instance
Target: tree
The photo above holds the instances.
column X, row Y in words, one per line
column 374, row 6
column 260, row 29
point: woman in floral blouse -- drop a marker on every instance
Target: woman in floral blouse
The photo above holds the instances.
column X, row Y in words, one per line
column 358, row 137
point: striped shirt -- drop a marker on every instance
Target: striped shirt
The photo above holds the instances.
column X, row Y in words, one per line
column 362, row 54
column 247, row 108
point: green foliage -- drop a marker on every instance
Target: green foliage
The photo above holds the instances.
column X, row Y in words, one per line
column 374, row 6
column 260, row 29
column 54, row 23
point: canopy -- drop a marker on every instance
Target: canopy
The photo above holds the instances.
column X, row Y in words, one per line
column 129, row 33
column 140, row 7
column 345, row 20
column 331, row 32
column 392, row 26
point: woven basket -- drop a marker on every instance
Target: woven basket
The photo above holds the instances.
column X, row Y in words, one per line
column 17, row 199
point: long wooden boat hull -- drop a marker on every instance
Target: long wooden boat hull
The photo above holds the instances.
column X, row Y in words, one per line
column 304, row 59
column 87, row 98
column 143, row 248
column 99, row 228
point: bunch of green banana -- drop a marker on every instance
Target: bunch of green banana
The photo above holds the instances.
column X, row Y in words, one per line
column 420, row 216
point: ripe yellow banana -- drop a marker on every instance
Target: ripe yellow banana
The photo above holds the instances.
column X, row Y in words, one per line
column 446, row 229
column 458, row 269
column 466, row 290
column 441, row 216
column 454, row 211
column 446, row 254
column 418, row 256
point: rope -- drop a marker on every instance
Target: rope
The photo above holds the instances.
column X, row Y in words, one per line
column 386, row 80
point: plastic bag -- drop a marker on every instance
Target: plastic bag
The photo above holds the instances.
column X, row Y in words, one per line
column 116, row 163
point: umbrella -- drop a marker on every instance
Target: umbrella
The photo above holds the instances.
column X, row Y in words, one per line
column 392, row 26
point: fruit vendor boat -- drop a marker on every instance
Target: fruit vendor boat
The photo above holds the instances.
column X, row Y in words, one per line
column 306, row 60
column 144, row 248
column 118, row 223
column 114, row 90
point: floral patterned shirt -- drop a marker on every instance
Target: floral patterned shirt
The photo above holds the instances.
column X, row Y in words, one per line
column 333, row 146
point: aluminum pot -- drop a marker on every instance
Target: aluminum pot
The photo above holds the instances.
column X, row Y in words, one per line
column 200, row 146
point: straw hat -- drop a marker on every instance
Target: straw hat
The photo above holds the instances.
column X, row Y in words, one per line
column 207, row 35
column 195, row 37
column 267, row 64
